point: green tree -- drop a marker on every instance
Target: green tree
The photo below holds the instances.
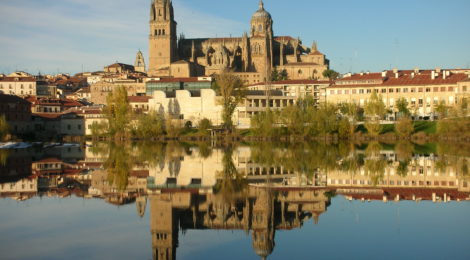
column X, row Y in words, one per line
column 204, row 126
column 404, row 127
column 402, row 107
column 283, row 75
column 118, row 113
column 263, row 124
column 441, row 109
column 4, row 128
column 330, row 74
column 344, row 128
column 150, row 125
column 375, row 110
column 275, row 75
column 232, row 92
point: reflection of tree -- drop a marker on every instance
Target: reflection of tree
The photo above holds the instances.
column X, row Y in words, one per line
column 118, row 165
column 374, row 165
column 3, row 157
column 231, row 183
column 453, row 156
column 404, row 151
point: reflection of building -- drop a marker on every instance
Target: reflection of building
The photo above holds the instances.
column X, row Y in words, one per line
column 260, row 211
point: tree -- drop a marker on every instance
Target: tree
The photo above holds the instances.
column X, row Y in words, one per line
column 275, row 75
column 263, row 124
column 204, row 126
column 375, row 110
column 353, row 112
column 4, row 128
column 441, row 109
column 402, row 107
column 283, row 75
column 150, row 125
column 330, row 74
column 232, row 91
column 118, row 112
column 344, row 128
column 404, row 127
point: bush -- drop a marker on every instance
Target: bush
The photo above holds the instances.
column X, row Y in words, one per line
column 204, row 126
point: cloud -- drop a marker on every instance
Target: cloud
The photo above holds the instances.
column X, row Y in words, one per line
column 51, row 35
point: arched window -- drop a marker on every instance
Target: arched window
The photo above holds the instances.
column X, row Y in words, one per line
column 163, row 32
column 159, row 12
column 260, row 28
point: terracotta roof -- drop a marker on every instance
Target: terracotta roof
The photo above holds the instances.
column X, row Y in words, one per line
column 22, row 79
column 49, row 160
column 191, row 79
column 403, row 80
column 359, row 77
column 139, row 99
column 294, row 82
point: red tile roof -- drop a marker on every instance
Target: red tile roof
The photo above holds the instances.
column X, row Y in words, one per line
column 21, row 79
column 191, row 79
column 294, row 82
column 139, row 99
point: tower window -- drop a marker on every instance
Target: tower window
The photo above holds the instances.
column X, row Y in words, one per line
column 163, row 32
column 260, row 28
column 159, row 12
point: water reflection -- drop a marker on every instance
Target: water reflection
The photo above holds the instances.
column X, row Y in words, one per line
column 257, row 189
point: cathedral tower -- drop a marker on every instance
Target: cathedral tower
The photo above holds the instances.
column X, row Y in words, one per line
column 163, row 40
column 139, row 64
column 262, row 41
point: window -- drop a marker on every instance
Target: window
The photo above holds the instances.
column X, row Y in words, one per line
column 340, row 92
column 79, row 127
column 451, row 89
column 369, row 91
column 428, row 89
column 69, row 127
column 420, row 89
column 405, row 90
column 361, row 91
column 464, row 88
column 383, row 90
column 443, row 89
column 332, row 92
column 390, row 90
column 346, row 92
column 398, row 90
column 413, row 90
column 353, row 91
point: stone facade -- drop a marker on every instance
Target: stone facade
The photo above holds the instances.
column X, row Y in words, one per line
column 18, row 86
column 255, row 54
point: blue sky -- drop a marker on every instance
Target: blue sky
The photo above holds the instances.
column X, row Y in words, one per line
column 67, row 35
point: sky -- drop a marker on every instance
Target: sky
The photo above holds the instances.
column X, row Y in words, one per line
column 71, row 36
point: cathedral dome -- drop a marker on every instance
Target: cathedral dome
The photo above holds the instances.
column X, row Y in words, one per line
column 261, row 13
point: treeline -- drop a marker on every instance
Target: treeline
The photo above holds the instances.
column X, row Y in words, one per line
column 306, row 120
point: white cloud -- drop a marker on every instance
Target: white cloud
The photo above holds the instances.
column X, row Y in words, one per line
column 65, row 34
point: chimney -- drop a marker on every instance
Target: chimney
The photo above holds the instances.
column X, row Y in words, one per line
column 395, row 70
column 413, row 75
column 396, row 75
column 438, row 70
column 433, row 75
column 384, row 74
column 444, row 74
column 416, row 70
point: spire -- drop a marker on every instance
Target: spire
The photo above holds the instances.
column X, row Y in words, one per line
column 261, row 5
column 314, row 46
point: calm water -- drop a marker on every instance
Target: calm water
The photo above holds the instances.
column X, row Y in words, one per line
column 173, row 201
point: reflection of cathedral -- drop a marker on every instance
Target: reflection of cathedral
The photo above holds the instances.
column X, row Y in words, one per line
column 251, row 56
column 261, row 211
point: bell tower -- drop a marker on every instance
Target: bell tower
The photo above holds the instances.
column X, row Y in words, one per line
column 162, row 39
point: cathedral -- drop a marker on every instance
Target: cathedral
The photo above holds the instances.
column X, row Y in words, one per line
column 252, row 57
